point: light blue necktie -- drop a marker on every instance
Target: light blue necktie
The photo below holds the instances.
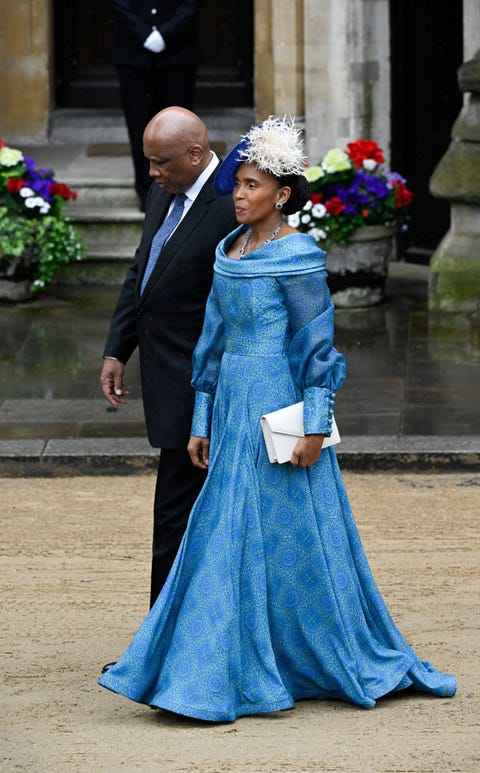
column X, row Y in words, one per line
column 162, row 235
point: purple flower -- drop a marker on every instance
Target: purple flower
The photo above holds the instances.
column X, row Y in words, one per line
column 394, row 177
column 42, row 187
column 376, row 186
column 29, row 163
column 40, row 179
column 45, row 172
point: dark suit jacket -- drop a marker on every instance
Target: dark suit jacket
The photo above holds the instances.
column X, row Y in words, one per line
column 166, row 321
column 174, row 19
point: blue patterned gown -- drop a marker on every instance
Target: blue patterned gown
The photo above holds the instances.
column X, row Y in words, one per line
column 271, row 598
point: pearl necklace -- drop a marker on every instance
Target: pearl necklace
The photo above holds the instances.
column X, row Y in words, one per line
column 247, row 236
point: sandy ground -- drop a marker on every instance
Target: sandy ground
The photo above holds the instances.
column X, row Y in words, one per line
column 74, row 574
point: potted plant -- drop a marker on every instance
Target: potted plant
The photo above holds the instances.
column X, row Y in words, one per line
column 354, row 211
column 36, row 238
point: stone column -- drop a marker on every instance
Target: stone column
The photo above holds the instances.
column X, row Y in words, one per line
column 347, row 73
column 471, row 28
column 279, row 58
column 25, row 71
column 455, row 266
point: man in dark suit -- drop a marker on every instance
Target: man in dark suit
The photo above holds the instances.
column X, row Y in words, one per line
column 161, row 308
column 155, row 53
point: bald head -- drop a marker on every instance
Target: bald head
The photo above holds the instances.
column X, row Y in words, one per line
column 175, row 143
column 180, row 125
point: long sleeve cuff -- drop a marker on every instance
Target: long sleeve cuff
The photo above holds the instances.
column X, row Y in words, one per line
column 202, row 414
column 318, row 410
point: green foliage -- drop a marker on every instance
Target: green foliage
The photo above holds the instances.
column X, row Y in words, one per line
column 37, row 239
column 46, row 244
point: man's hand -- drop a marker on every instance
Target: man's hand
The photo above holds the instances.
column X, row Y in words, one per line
column 307, row 450
column 199, row 449
column 111, row 380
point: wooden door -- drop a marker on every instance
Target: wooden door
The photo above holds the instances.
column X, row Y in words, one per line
column 83, row 39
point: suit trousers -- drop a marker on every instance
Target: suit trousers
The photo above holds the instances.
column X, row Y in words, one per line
column 144, row 92
column 178, row 486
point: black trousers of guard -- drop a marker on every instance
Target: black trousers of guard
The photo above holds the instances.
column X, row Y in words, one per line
column 144, row 92
column 178, row 486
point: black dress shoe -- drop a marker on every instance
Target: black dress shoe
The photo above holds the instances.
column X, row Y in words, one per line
column 107, row 666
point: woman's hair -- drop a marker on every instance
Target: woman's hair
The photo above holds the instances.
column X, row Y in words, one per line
column 300, row 192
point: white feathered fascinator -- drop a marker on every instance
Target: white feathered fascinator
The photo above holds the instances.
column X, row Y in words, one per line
column 275, row 146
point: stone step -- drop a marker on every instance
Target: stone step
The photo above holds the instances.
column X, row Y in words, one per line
column 84, row 126
column 111, row 234
column 102, row 193
column 105, row 226
column 100, row 267
column 90, row 126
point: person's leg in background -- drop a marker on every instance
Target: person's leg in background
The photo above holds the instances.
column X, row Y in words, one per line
column 137, row 91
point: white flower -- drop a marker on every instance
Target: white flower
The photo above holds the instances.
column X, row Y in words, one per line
column 319, row 210
column 369, row 164
column 39, row 283
column 318, row 234
column 294, row 220
column 37, row 201
column 308, row 205
column 26, row 192
column 10, row 156
column 45, row 208
column 336, row 161
column 305, row 218
column 314, row 173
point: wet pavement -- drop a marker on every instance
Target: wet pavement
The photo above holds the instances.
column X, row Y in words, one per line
column 413, row 378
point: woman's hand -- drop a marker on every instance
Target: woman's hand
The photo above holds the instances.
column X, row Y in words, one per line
column 307, row 450
column 199, row 449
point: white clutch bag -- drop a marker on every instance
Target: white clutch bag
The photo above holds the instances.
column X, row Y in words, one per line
column 282, row 430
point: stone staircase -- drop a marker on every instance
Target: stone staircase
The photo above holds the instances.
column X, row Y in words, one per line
column 89, row 151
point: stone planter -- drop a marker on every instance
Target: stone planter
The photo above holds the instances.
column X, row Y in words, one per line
column 357, row 271
column 15, row 277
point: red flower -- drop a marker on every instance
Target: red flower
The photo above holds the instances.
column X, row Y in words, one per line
column 334, row 206
column 1, row 143
column 365, row 213
column 362, row 149
column 14, row 184
column 59, row 189
column 404, row 196
column 316, row 198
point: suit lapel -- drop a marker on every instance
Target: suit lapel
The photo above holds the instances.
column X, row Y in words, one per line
column 151, row 226
column 188, row 224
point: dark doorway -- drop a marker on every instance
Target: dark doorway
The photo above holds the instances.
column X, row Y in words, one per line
column 427, row 50
column 83, row 39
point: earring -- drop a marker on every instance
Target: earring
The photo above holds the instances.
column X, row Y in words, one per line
column 279, row 205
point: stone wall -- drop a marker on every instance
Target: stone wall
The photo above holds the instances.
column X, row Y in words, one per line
column 347, row 73
column 471, row 28
column 278, row 47
column 25, row 69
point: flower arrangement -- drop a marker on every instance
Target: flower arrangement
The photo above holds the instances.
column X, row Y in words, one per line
column 36, row 238
column 350, row 190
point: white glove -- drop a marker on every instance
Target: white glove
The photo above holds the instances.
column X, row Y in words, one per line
column 155, row 42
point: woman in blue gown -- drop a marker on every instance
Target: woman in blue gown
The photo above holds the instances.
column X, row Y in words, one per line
column 271, row 598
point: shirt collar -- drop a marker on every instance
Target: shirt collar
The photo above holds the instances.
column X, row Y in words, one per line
column 197, row 186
